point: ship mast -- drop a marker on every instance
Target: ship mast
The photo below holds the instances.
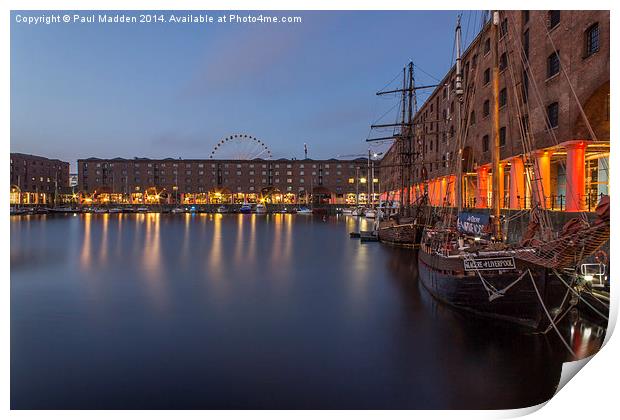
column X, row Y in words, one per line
column 409, row 136
column 496, row 137
column 404, row 138
column 459, row 95
column 401, row 146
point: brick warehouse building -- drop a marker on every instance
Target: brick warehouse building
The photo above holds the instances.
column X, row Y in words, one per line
column 38, row 180
column 568, row 169
column 210, row 181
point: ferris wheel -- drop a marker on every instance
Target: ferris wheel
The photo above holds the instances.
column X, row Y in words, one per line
column 240, row 147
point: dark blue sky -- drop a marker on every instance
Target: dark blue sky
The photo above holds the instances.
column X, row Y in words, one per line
column 170, row 90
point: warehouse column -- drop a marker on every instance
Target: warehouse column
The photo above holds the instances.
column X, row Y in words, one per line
column 517, row 184
column 575, row 174
column 482, row 188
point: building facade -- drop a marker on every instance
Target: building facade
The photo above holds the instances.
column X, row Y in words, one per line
column 210, row 181
column 38, row 180
column 554, row 136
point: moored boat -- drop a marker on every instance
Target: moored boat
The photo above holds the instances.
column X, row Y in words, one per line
column 358, row 211
column 260, row 209
column 246, row 208
column 62, row 209
column 370, row 213
column 465, row 258
column 16, row 211
column 471, row 282
column 400, row 231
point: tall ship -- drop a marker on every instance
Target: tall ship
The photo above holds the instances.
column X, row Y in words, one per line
column 465, row 257
column 400, row 218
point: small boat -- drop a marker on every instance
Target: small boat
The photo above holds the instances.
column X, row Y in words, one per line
column 142, row 209
column 177, row 210
column 15, row 211
column 358, row 211
column 368, row 236
column 115, row 210
column 387, row 209
column 246, row 208
column 370, row 214
column 304, row 210
column 347, row 211
column 261, row 209
column 100, row 210
column 64, row 209
column 397, row 229
column 222, row 209
column 400, row 231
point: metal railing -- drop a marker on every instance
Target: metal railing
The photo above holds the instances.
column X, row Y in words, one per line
column 553, row 202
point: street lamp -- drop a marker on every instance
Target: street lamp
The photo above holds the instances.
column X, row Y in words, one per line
column 372, row 177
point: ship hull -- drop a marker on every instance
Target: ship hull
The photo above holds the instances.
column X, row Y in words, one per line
column 403, row 235
column 446, row 279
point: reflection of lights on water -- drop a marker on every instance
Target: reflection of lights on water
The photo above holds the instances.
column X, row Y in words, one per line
column 186, row 237
column 85, row 255
column 103, row 248
column 288, row 241
column 239, row 240
column 151, row 259
column 276, row 245
column 585, row 338
column 215, row 256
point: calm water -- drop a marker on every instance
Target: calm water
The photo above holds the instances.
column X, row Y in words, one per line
column 246, row 311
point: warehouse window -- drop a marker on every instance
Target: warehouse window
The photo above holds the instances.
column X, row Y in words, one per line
column 592, row 40
column 553, row 64
column 503, row 97
column 526, row 43
column 503, row 28
column 553, row 17
column 503, row 62
column 552, row 114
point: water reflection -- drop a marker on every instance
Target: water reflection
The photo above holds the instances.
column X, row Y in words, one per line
column 85, row 256
column 244, row 306
column 152, row 260
column 187, row 222
column 216, row 258
column 103, row 247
